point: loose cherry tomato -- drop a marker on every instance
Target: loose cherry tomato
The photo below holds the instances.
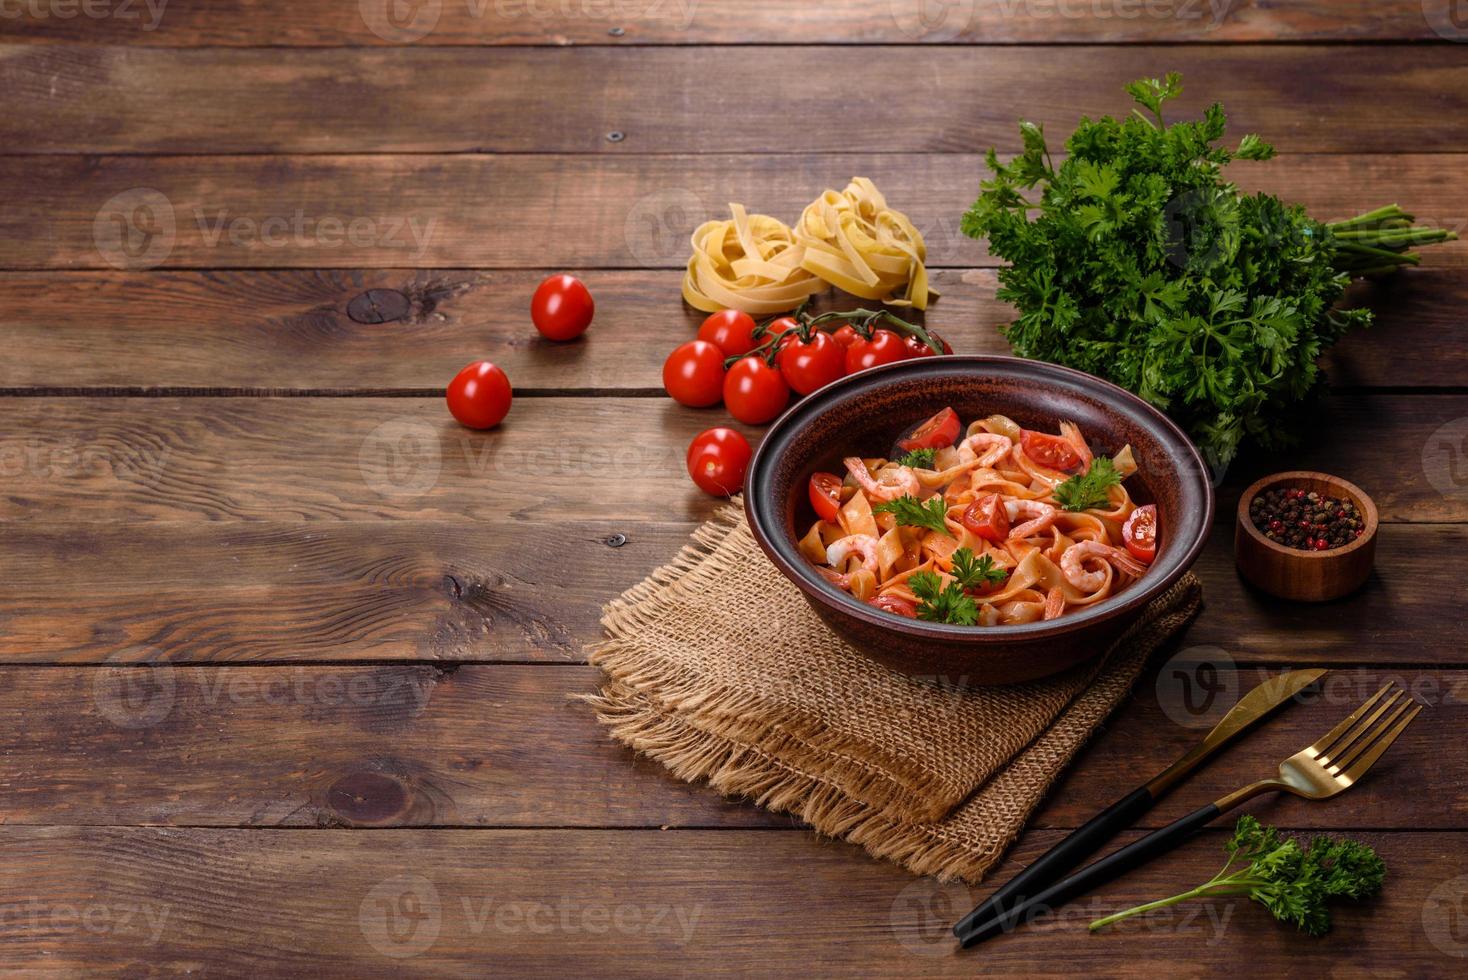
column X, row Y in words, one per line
column 896, row 605
column 885, row 347
column 562, row 308
column 754, row 391
column 808, row 365
column 987, row 518
column 694, row 374
column 1048, row 450
column 845, row 335
column 479, row 395
column 1140, row 533
column 825, row 495
column 717, row 459
column 729, row 330
column 939, row 431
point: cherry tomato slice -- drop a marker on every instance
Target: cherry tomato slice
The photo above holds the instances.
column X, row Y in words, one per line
column 694, row 374
column 479, row 396
column 808, row 365
column 754, row 392
column 987, row 518
column 939, row 431
column 1140, row 533
column 732, row 331
column 885, row 347
column 896, row 605
column 825, row 495
column 1047, row 450
column 717, row 459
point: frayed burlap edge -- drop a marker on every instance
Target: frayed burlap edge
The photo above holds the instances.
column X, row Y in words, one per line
column 880, row 779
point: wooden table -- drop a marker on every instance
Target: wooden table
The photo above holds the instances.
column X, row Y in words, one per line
column 287, row 653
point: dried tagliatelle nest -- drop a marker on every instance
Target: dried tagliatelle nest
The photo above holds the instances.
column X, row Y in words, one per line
column 851, row 240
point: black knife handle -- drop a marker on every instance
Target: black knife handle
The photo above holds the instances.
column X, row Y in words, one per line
column 1061, row 858
column 1134, row 855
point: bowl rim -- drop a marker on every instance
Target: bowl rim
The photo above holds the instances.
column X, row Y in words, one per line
column 814, row 587
column 1256, row 537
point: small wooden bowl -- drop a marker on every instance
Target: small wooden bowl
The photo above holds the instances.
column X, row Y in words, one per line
column 1305, row 576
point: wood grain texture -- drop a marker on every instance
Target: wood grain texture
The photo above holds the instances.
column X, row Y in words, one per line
column 290, row 459
column 505, row 746
column 294, row 330
column 607, row 903
column 420, row 100
column 549, row 210
column 329, row 591
column 191, row 23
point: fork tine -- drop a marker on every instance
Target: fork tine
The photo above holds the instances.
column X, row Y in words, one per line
column 1339, row 730
column 1365, row 762
column 1363, row 742
column 1361, row 728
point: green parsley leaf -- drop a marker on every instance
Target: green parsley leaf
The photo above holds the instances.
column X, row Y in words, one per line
column 1086, row 490
column 942, row 604
column 919, row 458
column 973, row 573
column 910, row 512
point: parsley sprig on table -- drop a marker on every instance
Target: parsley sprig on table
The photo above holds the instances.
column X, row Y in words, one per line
column 1086, row 490
column 1138, row 262
column 1295, row 883
column 921, row 458
column 914, row 513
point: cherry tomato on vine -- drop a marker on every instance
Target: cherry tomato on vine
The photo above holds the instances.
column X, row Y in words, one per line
column 479, row 395
column 885, row 347
column 825, row 495
column 1140, row 532
column 896, row 605
column 694, row 374
column 717, row 459
column 754, row 391
column 987, row 518
column 781, row 325
column 845, row 335
column 1047, row 450
column 810, row 364
column 939, row 431
column 732, row 331
column 561, row 308
column 916, row 348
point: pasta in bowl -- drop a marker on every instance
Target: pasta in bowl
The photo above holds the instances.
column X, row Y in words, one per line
column 985, row 518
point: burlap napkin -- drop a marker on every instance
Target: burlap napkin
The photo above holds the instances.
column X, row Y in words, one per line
column 717, row 668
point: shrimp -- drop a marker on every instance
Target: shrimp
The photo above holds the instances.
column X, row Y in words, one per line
column 863, row 546
column 896, row 482
column 1055, row 603
column 1038, row 516
column 996, row 446
column 1073, row 564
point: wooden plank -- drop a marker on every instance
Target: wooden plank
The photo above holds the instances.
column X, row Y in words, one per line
column 546, row 210
column 182, row 23
column 140, row 100
column 395, row 746
column 90, row 459
column 607, row 903
column 294, row 330
column 411, row 590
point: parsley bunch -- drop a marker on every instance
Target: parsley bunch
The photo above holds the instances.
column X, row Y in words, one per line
column 1295, row 883
column 1140, row 264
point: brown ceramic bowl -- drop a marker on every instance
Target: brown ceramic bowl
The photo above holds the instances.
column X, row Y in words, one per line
column 1305, row 576
column 866, row 412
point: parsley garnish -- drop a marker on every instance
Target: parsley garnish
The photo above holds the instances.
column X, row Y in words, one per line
column 921, row 458
column 1088, row 489
column 942, row 604
column 1294, row 883
column 910, row 512
column 974, row 573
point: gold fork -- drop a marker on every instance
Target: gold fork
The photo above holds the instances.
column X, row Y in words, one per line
column 1330, row 766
